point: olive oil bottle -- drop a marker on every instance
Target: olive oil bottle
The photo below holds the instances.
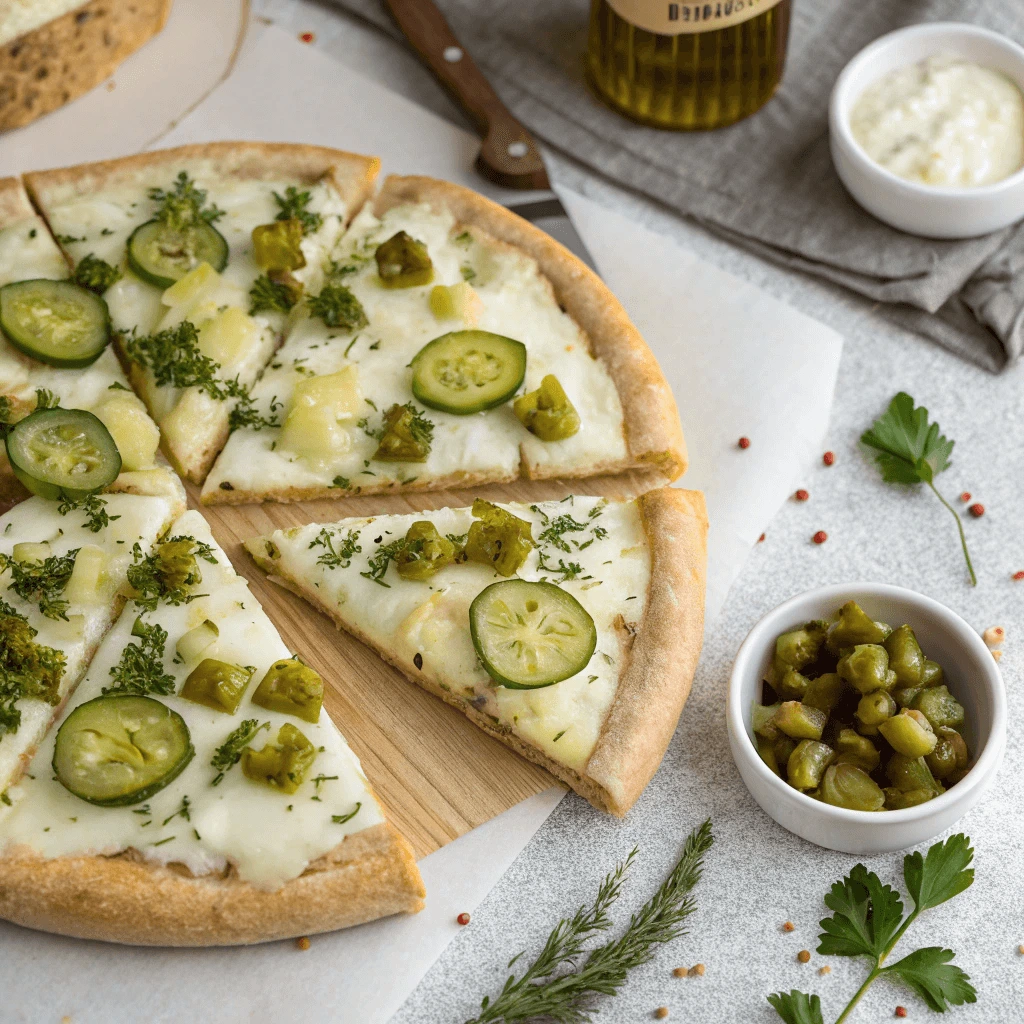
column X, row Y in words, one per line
column 687, row 65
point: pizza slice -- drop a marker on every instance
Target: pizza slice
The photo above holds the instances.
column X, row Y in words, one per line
column 63, row 571
column 450, row 343
column 54, row 351
column 194, row 792
column 213, row 245
column 569, row 630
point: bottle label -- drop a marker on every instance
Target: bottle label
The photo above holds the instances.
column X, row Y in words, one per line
column 673, row 19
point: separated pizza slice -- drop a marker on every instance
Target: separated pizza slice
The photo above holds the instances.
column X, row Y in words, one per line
column 63, row 576
column 194, row 792
column 212, row 246
column 55, row 351
column 569, row 630
column 450, row 343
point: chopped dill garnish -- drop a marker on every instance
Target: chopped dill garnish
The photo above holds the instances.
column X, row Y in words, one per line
column 338, row 307
column 183, row 206
column 229, row 753
column 293, row 207
column 95, row 274
column 42, row 582
column 332, row 558
column 94, row 507
column 141, row 668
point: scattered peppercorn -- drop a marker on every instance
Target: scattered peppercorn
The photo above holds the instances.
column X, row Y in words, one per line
column 307, row 37
column 744, row 442
column 828, row 458
column 697, row 970
column 820, row 537
column 463, row 918
column 901, row 1011
column 680, row 972
column 661, row 1012
column 417, row 660
column 965, row 497
column 801, row 495
column 804, row 956
column 303, row 943
column 824, row 970
column 977, row 510
column 1019, row 575
column 994, row 636
column 788, row 926
column 760, row 540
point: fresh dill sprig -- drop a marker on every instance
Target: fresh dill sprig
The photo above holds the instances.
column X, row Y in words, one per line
column 245, row 413
column 94, row 507
column 292, row 206
column 42, row 582
column 141, row 667
column 381, row 559
column 278, row 296
column 95, row 274
column 334, row 558
column 229, row 753
column 174, row 357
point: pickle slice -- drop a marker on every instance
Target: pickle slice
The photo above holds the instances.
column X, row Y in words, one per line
column 120, row 749
column 531, row 634
column 161, row 254
column 59, row 453
column 57, row 322
column 468, row 371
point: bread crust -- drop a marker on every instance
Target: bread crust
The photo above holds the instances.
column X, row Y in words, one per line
column 123, row 898
column 14, row 204
column 654, row 682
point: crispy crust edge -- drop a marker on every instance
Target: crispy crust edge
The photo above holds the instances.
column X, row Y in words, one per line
column 370, row 874
column 654, row 436
column 14, row 202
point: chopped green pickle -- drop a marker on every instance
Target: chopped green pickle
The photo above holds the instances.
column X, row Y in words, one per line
column 852, row 748
column 855, row 627
column 905, row 657
column 176, row 565
column 910, row 773
column 824, row 693
column 800, row 722
column 905, row 696
column 807, row 764
column 909, row 733
column 792, row 685
column 547, row 412
column 940, row 707
column 846, row 785
column 217, row 685
column 498, row 538
column 866, row 668
column 783, row 746
column 403, row 438
column 403, row 262
column 291, row 688
column 767, row 754
column 762, row 720
column 278, row 246
column 949, row 755
column 898, row 800
column 931, row 674
column 283, row 765
column 875, row 708
column 425, row 552
column 797, row 649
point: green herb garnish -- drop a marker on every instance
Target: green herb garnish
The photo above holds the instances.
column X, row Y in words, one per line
column 94, row 507
column 6, row 412
column 867, row 920
column 338, row 307
column 46, row 399
column 27, row 669
column 382, row 558
column 271, row 296
column 95, row 274
column 183, row 206
column 169, row 572
column 332, row 558
column 42, row 582
column 340, row 819
column 141, row 668
column 245, row 413
column 293, row 207
column 174, row 358
column 911, row 450
column 182, row 811
column 229, row 753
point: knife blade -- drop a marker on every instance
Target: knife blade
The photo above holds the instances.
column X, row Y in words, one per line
column 509, row 155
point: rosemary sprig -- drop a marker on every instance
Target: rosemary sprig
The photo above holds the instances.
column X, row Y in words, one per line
column 547, row 991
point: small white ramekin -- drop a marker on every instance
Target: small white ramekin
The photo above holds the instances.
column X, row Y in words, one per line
column 971, row 675
column 923, row 209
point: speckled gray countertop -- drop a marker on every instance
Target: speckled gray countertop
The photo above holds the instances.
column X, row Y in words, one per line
column 758, row 875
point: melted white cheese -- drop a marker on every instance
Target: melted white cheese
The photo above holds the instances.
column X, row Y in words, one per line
column 141, row 520
column 943, row 121
column 517, row 301
column 270, row 837
column 432, row 618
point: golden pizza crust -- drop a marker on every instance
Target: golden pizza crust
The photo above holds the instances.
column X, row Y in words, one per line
column 123, row 898
column 14, row 203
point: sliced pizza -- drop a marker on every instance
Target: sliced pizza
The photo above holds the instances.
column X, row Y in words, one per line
column 211, row 245
column 194, row 791
column 569, row 630
column 449, row 343
column 63, row 572
column 55, row 351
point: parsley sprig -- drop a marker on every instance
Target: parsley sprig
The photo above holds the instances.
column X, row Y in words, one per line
column 867, row 920
column 292, row 206
column 183, row 206
column 140, row 669
column 95, row 274
column 27, row 669
column 336, row 558
column 229, row 753
column 561, row 985
column 42, row 582
column 94, row 507
column 338, row 307
column 912, row 450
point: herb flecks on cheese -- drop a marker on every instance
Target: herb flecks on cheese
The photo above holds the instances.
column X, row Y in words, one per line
column 27, row 669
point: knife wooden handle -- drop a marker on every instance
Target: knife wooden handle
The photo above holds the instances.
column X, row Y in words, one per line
column 508, row 155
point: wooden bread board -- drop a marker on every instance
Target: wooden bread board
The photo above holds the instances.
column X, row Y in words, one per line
column 437, row 775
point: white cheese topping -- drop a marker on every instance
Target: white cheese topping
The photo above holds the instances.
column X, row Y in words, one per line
column 601, row 544
column 515, row 300
column 268, row 836
column 139, row 520
column 943, row 121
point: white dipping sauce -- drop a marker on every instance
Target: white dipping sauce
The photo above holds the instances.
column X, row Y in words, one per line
column 943, row 121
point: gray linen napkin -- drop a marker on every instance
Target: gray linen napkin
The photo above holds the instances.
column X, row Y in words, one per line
column 766, row 183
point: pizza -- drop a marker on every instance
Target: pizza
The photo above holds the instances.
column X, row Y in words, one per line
column 194, row 792
column 196, row 315
column 569, row 630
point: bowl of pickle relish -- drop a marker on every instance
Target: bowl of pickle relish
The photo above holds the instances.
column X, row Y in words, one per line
column 865, row 718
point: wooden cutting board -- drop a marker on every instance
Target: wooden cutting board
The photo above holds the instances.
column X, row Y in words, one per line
column 436, row 773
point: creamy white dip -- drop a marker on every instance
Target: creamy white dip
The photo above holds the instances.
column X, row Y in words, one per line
column 943, row 121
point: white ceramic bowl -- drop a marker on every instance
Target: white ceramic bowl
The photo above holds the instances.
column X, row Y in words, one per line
column 971, row 675
column 922, row 209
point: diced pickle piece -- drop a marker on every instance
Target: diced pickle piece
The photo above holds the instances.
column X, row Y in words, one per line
column 792, row 685
column 905, row 657
column 932, row 674
column 800, row 722
column 824, row 692
column 424, row 553
column 949, row 755
column 282, row 766
column 846, row 785
column 866, row 668
column 291, row 688
column 854, row 627
column 217, row 685
column 807, row 764
column 767, row 754
column 909, row 733
column 404, row 438
column 547, row 412
column 176, row 565
column 783, row 746
column 940, row 707
column 498, row 538
column 858, row 750
column 403, row 262
column 910, row 773
column 196, row 640
column 797, row 649
column 905, row 696
column 278, row 246
column 456, row 302
column 875, row 708
column 898, row 800
column 762, row 720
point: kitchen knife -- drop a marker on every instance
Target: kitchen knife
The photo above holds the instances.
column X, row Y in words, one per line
column 508, row 155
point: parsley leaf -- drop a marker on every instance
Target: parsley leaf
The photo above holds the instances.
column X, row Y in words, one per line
column 95, row 274
column 912, row 450
column 338, row 307
column 865, row 916
column 930, row 974
column 183, row 206
column 229, row 753
column 42, row 582
column 797, row 1007
column 141, row 668
column 94, row 507
column 940, row 876
column 293, row 207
